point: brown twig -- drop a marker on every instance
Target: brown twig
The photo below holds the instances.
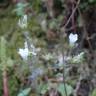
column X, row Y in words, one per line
column 73, row 19
column 72, row 14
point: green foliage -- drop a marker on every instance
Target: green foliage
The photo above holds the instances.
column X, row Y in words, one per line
column 35, row 4
column 15, row 39
column 20, row 9
column 77, row 59
column 86, row 4
column 24, row 92
column 13, row 83
column 43, row 88
column 5, row 61
column 94, row 92
column 2, row 49
column 92, row 1
column 61, row 89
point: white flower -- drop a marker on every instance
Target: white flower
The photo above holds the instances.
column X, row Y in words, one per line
column 22, row 23
column 73, row 38
column 24, row 53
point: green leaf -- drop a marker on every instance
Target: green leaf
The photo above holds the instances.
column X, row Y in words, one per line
column 9, row 62
column 77, row 59
column 21, row 5
column 92, row 1
column 61, row 89
column 25, row 92
column 20, row 9
column 94, row 92
column 2, row 49
column 5, row 61
column 43, row 88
